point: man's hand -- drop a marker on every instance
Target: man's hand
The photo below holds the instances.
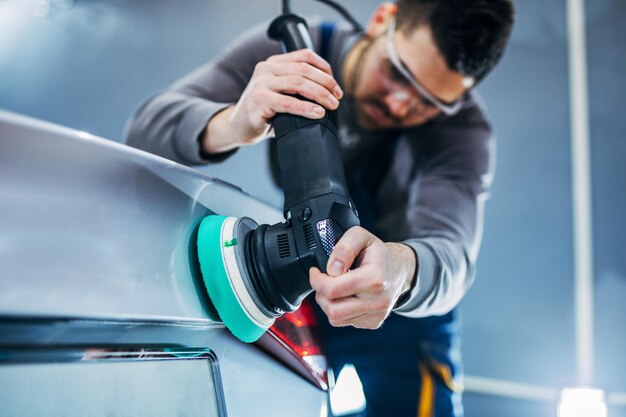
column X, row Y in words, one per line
column 269, row 92
column 364, row 296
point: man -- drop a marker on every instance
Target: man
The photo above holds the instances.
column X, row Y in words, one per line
column 417, row 151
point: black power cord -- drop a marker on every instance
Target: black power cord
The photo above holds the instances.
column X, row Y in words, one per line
column 287, row 9
column 356, row 26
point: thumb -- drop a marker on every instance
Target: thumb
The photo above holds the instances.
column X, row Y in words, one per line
column 351, row 244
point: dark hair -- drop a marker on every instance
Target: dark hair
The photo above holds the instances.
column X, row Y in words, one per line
column 470, row 34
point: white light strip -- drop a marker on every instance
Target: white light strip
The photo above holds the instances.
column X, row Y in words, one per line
column 616, row 399
column 581, row 191
column 509, row 389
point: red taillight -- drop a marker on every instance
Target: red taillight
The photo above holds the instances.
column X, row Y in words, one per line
column 294, row 339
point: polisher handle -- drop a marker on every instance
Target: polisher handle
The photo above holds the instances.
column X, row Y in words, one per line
column 318, row 209
column 308, row 153
column 291, row 31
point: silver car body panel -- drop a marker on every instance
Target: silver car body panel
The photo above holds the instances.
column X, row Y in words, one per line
column 93, row 231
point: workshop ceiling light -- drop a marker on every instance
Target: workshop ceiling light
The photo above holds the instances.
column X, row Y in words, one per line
column 582, row 402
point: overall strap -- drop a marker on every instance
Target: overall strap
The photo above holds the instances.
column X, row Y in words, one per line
column 327, row 29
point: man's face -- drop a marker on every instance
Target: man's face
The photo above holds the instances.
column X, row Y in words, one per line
column 383, row 96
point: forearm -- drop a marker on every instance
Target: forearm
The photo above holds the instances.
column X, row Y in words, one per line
column 225, row 133
column 443, row 224
column 444, row 274
column 173, row 124
column 403, row 262
column 177, row 124
column 217, row 137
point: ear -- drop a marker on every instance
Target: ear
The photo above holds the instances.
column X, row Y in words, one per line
column 379, row 20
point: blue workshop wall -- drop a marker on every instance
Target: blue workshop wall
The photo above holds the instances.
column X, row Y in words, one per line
column 519, row 317
column 520, row 311
column 91, row 65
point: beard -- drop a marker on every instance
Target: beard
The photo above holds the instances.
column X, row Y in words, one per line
column 372, row 114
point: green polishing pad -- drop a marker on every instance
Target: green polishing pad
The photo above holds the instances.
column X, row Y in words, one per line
column 223, row 279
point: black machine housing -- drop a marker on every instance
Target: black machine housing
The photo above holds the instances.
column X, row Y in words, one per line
column 318, row 209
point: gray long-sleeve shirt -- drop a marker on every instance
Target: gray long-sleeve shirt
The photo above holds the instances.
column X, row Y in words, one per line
column 425, row 186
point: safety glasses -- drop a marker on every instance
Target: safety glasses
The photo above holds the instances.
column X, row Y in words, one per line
column 447, row 108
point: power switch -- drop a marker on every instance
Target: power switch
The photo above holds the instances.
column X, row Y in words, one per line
column 305, row 214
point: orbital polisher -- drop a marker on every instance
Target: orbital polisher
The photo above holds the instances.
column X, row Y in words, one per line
column 256, row 273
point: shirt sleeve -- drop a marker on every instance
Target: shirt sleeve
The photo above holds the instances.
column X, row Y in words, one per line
column 443, row 217
column 172, row 122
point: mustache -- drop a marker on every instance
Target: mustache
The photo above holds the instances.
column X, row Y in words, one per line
column 383, row 108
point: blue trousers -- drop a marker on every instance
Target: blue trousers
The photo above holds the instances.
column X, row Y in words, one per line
column 408, row 367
